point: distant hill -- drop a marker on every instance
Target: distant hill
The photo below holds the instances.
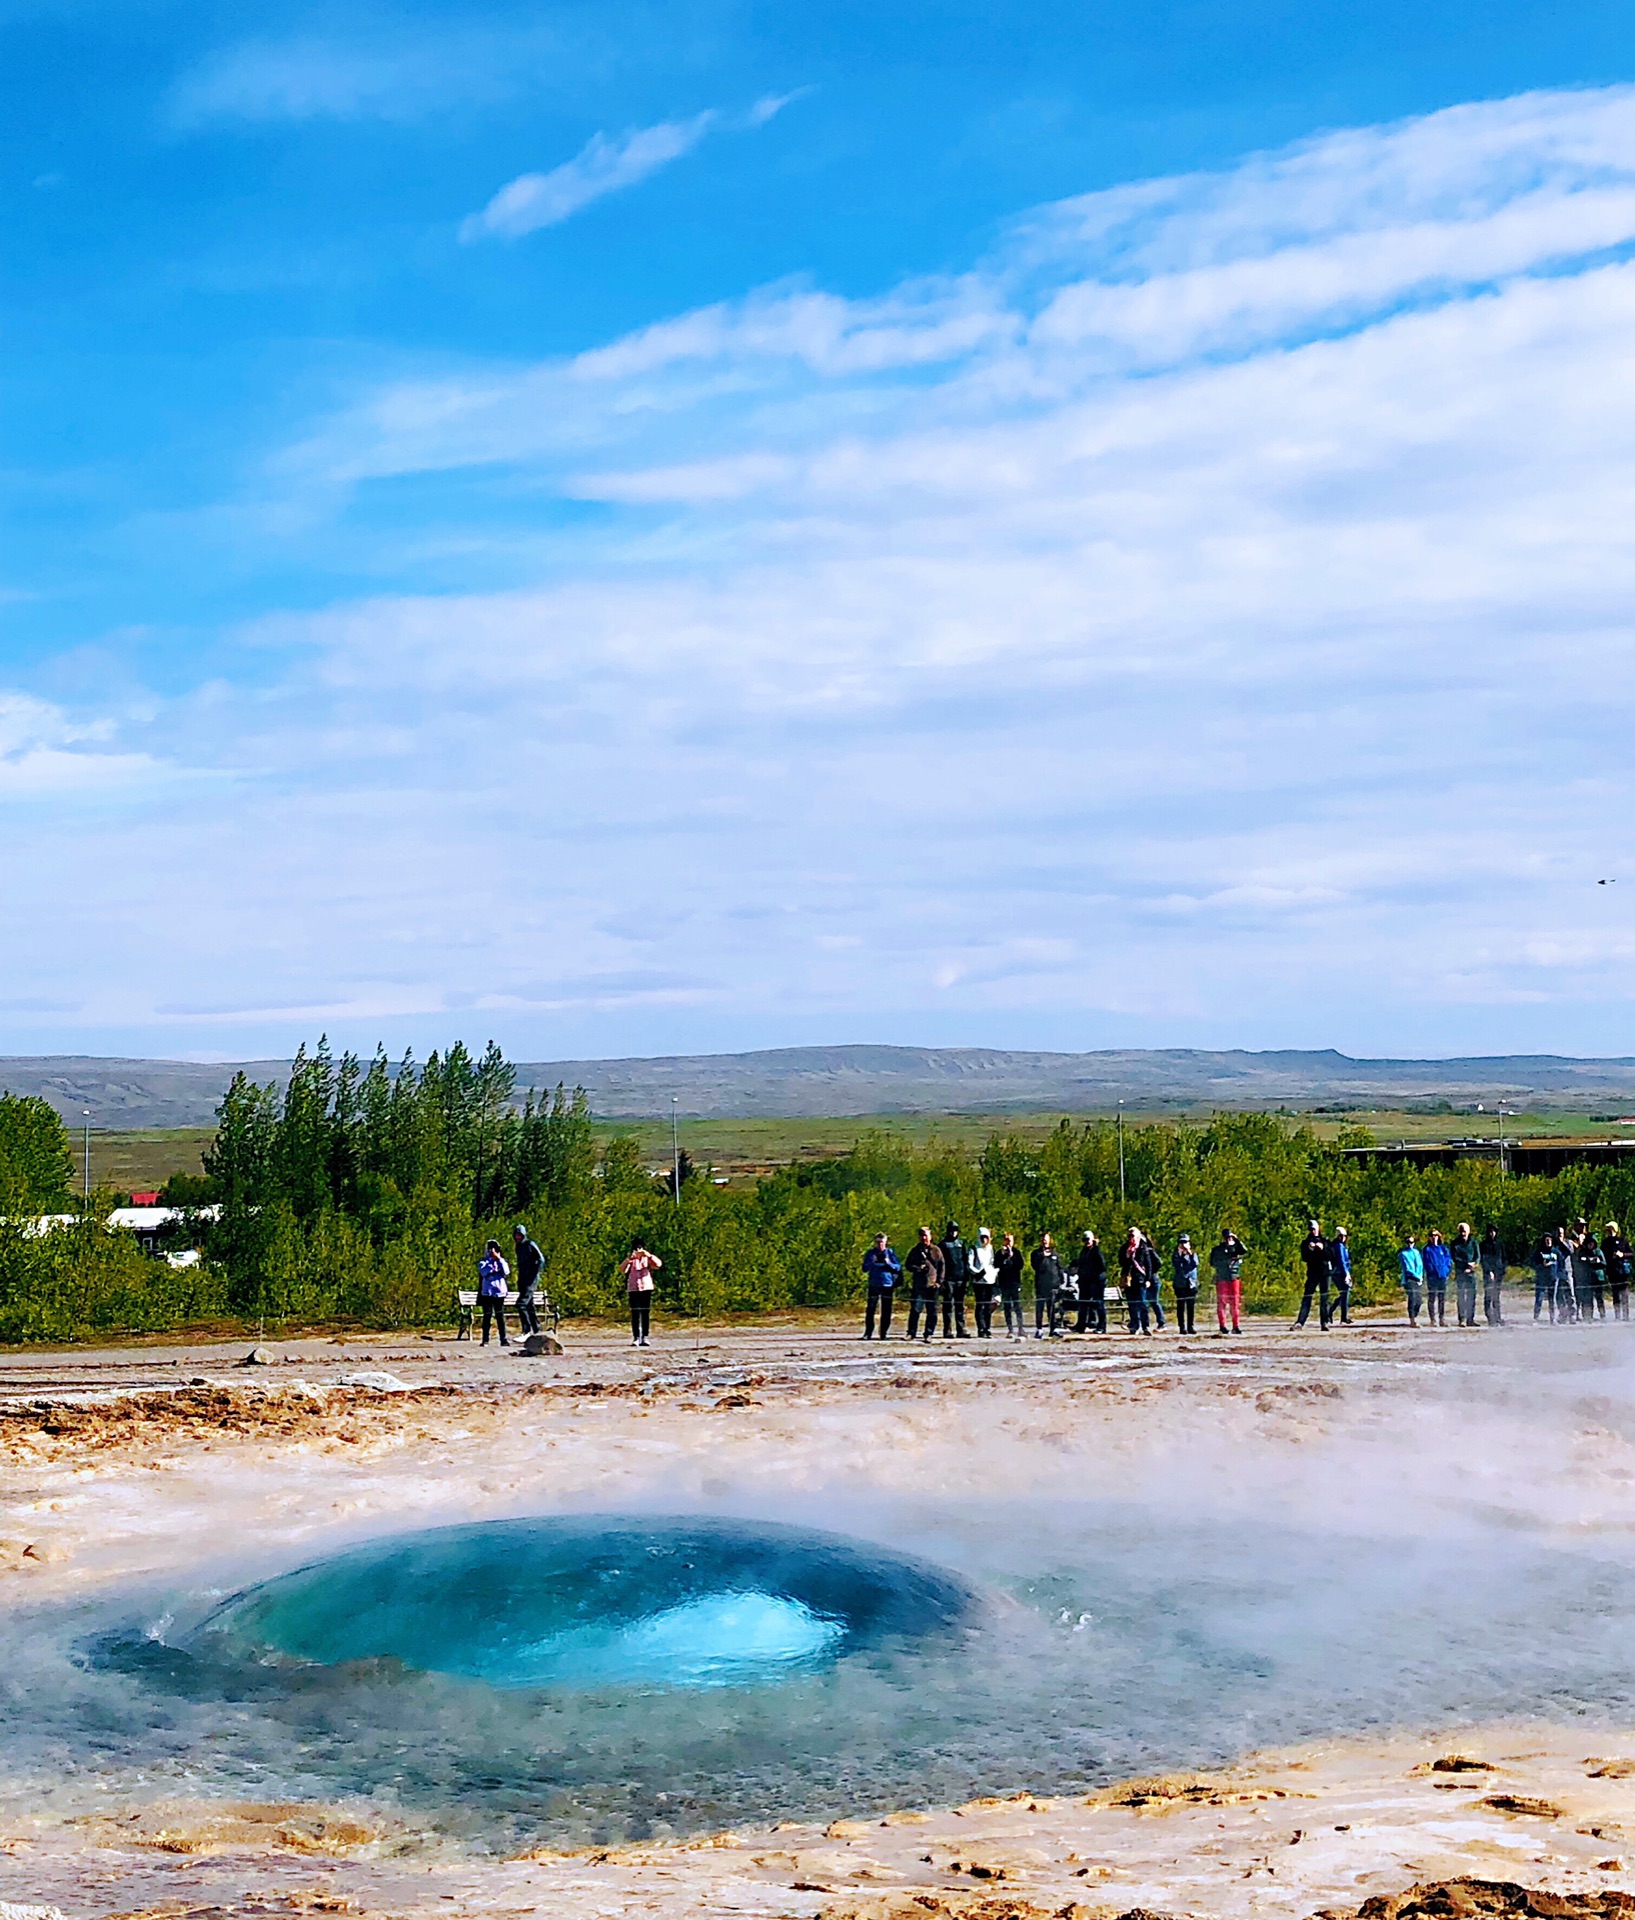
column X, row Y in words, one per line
column 816, row 1081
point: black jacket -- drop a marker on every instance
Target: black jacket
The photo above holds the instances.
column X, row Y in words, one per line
column 1314, row 1251
column 923, row 1266
column 530, row 1265
column 1047, row 1273
column 1008, row 1269
column 1090, row 1265
column 953, row 1260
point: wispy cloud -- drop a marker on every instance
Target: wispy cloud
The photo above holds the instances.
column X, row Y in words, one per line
column 602, row 166
column 320, row 78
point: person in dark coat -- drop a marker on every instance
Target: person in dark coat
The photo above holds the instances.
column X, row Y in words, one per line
column 1008, row 1275
column 1493, row 1266
column 1184, row 1284
column 1315, row 1254
column 1090, row 1269
column 1047, row 1287
column 530, row 1264
column 1620, row 1259
column 954, row 1279
column 1226, row 1260
column 1132, row 1279
column 1152, row 1263
column 1466, row 1253
column 924, row 1269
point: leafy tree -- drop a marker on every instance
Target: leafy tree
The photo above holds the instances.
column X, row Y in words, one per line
column 36, row 1165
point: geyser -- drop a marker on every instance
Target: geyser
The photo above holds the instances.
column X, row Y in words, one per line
column 596, row 1602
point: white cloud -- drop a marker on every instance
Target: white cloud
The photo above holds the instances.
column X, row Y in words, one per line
column 319, row 79
column 1207, row 619
column 602, row 166
column 45, row 754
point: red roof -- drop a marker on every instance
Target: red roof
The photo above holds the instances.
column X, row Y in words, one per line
column 145, row 1199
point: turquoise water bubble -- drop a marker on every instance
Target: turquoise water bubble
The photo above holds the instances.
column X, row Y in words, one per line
column 596, row 1602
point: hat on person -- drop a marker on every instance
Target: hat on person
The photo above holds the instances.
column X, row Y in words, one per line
column 1314, row 1224
column 520, row 1231
column 1186, row 1239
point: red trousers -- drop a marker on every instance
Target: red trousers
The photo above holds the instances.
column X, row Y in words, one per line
column 1229, row 1303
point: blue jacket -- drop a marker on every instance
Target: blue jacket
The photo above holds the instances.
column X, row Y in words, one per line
column 1438, row 1263
column 1184, row 1270
column 492, row 1273
column 1339, row 1261
column 1411, row 1265
column 882, row 1266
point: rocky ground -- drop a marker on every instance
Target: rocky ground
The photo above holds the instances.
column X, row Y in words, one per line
column 121, row 1464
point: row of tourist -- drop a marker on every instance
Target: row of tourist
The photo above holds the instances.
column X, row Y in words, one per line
column 1069, row 1294
column 1576, row 1274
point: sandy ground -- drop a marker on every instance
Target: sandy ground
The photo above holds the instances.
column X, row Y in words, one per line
column 126, row 1463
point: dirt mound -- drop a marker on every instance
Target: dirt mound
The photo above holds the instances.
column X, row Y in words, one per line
column 1465, row 1899
column 44, row 1430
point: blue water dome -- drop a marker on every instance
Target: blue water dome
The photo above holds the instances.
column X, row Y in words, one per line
column 597, row 1602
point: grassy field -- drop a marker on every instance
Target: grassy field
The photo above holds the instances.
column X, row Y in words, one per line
column 742, row 1149
column 133, row 1162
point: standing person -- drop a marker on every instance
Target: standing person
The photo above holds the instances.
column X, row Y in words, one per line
column 1438, row 1265
column 1590, row 1275
column 1545, row 1276
column 1411, row 1268
column 1620, row 1259
column 1090, row 1269
column 1132, row 1278
column 1565, row 1292
column 1008, row 1269
column 492, row 1274
column 1314, row 1251
column 1226, row 1263
column 924, row 1268
column 1567, row 1276
column 953, row 1283
column 1339, row 1271
column 1493, row 1265
column 1466, row 1256
column 638, row 1268
column 882, row 1269
column 530, row 1265
column 1047, row 1286
column 1152, row 1262
column 1183, row 1279
column 981, row 1270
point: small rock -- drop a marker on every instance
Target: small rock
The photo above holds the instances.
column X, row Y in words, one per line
column 376, row 1382
column 259, row 1357
column 534, row 1344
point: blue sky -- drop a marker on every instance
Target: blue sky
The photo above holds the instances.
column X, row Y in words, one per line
column 632, row 529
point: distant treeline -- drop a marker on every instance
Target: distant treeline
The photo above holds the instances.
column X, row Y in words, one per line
column 364, row 1193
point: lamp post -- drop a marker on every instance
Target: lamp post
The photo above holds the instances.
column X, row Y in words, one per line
column 87, row 1155
column 1121, row 1153
column 675, row 1152
column 1502, row 1111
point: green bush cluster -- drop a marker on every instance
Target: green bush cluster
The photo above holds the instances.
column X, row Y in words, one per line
column 81, row 1279
column 366, row 1193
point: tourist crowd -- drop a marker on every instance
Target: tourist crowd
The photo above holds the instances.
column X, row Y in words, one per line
column 1576, row 1273
column 1071, row 1294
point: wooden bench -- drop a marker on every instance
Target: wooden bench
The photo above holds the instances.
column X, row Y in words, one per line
column 466, row 1305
